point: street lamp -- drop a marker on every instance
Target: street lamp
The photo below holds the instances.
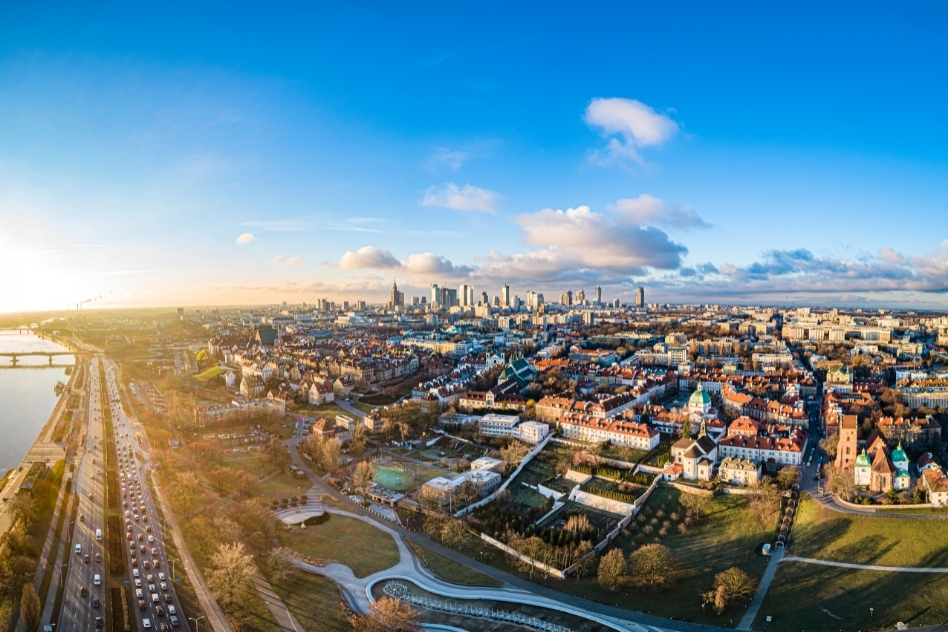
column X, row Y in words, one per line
column 197, row 626
column 172, row 568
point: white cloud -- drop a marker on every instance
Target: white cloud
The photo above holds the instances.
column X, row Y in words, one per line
column 368, row 257
column 244, row 238
column 600, row 241
column 286, row 260
column 629, row 125
column 466, row 198
column 654, row 211
column 422, row 264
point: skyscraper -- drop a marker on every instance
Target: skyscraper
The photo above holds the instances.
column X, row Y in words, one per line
column 640, row 297
column 462, row 295
column 505, row 296
column 598, row 295
column 397, row 298
column 435, row 294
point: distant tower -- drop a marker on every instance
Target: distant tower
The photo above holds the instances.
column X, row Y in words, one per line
column 598, row 295
column 435, row 294
column 505, row 296
column 640, row 297
column 398, row 298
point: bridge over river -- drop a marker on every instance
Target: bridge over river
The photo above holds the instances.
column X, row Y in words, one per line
column 15, row 355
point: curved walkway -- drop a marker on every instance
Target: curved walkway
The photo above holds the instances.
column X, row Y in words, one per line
column 358, row 591
column 866, row 567
column 633, row 619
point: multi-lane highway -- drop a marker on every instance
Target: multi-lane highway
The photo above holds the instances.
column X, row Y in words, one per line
column 83, row 599
column 155, row 605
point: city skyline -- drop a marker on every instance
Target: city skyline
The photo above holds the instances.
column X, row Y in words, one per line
column 145, row 166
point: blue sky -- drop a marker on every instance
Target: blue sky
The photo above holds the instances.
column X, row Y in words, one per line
column 742, row 152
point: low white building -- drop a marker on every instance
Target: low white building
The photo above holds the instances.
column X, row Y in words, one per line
column 533, row 431
column 494, row 425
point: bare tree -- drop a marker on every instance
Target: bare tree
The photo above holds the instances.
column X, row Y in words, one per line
column 330, row 453
column 652, row 565
column 30, row 607
column 231, row 568
column 729, row 586
column 363, row 476
column 612, row 569
column 388, row 615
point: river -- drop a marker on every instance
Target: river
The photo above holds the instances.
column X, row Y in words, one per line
column 26, row 394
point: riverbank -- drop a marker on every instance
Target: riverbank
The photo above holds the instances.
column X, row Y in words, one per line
column 42, row 448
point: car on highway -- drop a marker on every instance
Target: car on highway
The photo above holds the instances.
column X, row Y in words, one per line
column 141, row 604
column 159, row 611
column 135, row 573
column 86, row 558
column 174, row 621
column 98, row 622
column 140, row 593
column 146, row 623
column 83, row 592
column 97, row 579
column 98, row 558
column 172, row 610
column 95, row 602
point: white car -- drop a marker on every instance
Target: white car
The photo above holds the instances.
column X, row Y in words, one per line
column 146, row 623
column 135, row 572
column 97, row 580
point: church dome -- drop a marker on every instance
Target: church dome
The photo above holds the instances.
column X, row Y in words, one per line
column 699, row 398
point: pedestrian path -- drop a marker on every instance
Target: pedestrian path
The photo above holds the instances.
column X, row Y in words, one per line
column 748, row 619
column 867, row 567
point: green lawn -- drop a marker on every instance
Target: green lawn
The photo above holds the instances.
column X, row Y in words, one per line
column 259, row 466
column 727, row 536
column 360, row 546
column 450, row 571
column 828, row 535
column 329, row 411
column 314, row 602
column 283, row 485
column 822, row 598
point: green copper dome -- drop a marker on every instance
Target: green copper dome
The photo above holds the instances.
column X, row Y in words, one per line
column 699, row 398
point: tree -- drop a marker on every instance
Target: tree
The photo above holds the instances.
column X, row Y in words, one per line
column 23, row 511
column 532, row 547
column 764, row 502
column 388, row 615
column 512, row 454
column 187, row 491
column 841, row 482
column 729, row 586
column 453, row 531
column 363, row 476
column 30, row 607
column 330, row 453
column 281, row 567
column 830, row 445
column 612, row 569
column 694, row 504
column 359, row 436
column 278, row 454
column 788, row 477
column 586, row 562
column 231, row 568
column 219, row 476
column 245, row 483
column 652, row 565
